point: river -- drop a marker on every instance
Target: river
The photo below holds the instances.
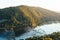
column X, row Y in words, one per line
column 39, row 30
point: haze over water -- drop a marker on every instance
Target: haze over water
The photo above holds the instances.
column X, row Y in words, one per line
column 42, row 30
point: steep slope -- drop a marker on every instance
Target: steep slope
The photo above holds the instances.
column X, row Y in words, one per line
column 22, row 18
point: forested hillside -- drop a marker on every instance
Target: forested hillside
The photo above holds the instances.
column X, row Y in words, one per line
column 21, row 18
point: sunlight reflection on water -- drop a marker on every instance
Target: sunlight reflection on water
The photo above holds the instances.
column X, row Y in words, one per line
column 44, row 29
column 40, row 30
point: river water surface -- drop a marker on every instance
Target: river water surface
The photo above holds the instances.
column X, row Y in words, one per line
column 38, row 31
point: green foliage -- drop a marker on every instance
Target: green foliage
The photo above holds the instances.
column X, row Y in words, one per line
column 21, row 17
column 53, row 36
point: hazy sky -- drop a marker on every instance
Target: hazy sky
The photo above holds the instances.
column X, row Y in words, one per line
column 48, row 4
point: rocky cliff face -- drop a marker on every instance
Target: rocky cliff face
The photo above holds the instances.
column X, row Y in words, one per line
column 21, row 18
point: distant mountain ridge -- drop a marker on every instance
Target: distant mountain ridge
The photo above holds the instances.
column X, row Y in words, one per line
column 22, row 17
